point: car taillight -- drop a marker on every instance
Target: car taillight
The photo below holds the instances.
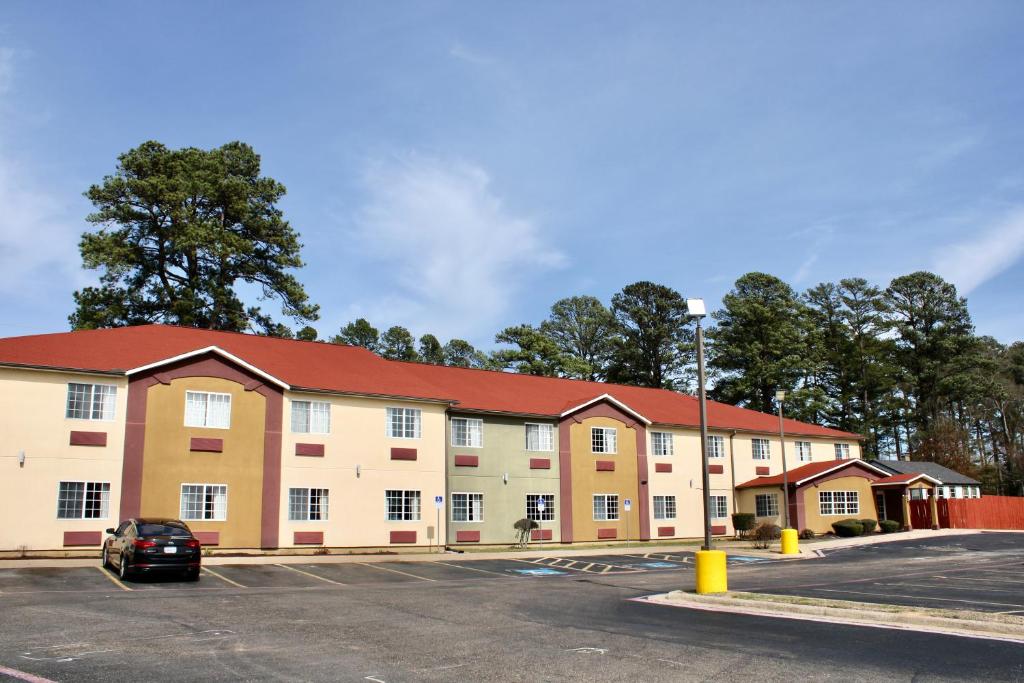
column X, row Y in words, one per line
column 141, row 544
column 192, row 543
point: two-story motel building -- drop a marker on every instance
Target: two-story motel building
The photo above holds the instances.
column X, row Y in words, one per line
column 264, row 443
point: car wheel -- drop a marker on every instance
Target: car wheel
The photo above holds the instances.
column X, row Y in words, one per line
column 106, row 558
column 192, row 575
column 122, row 569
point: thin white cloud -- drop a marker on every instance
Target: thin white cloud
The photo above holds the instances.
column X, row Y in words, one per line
column 819, row 236
column 972, row 262
column 454, row 253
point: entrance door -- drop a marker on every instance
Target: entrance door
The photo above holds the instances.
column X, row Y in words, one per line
column 880, row 505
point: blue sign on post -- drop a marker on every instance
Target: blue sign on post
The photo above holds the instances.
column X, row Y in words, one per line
column 627, row 504
column 438, row 501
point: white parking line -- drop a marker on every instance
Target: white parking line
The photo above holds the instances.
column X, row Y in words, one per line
column 222, row 577
column 919, row 597
column 114, row 581
column 949, row 588
column 396, row 571
column 23, row 676
column 475, row 569
column 302, row 571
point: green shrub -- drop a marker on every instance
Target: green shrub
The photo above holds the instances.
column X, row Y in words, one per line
column 888, row 526
column 848, row 527
column 807, row 534
column 763, row 535
column 742, row 522
column 869, row 525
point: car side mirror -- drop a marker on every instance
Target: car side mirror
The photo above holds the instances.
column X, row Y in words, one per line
column 110, row 531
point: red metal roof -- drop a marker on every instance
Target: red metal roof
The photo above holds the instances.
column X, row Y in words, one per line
column 347, row 369
column 808, row 471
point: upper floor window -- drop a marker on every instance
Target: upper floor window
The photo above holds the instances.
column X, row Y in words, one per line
column 311, row 417
column 842, row 451
column 661, row 443
column 761, row 449
column 204, row 501
column 716, row 447
column 803, row 451
column 83, row 500
column 540, row 437
column 467, row 432
column 307, row 504
column 404, row 423
column 603, row 440
column 91, row 401
column 207, row 409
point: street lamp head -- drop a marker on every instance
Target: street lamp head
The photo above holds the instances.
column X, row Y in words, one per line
column 780, row 396
column 695, row 308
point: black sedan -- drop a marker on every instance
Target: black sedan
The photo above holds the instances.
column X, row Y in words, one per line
column 152, row 545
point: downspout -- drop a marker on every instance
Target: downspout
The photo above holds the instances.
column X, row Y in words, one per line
column 732, row 471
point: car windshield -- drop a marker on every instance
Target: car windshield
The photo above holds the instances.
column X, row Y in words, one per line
column 162, row 530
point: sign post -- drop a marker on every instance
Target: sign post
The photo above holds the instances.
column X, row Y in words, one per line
column 439, row 503
column 541, row 506
column 627, row 505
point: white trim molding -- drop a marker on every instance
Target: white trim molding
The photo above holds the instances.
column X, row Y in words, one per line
column 611, row 399
column 220, row 352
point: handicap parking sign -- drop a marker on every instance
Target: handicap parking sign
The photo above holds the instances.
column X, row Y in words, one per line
column 627, row 504
column 438, row 501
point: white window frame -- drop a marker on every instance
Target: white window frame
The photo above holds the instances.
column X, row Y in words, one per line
column 545, row 437
column 667, row 503
column 82, row 504
column 323, row 504
column 605, row 497
column 107, row 401
column 659, row 441
column 719, row 507
column 803, row 448
column 760, row 449
column 771, row 502
column 314, row 410
column 842, row 451
column 469, row 497
column 206, row 413
column 408, row 514
column 474, row 427
column 549, row 507
column 204, row 518
column 605, row 432
column 716, row 446
column 410, row 417
column 838, row 503
column 880, row 505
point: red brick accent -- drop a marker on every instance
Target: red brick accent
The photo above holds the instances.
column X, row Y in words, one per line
column 313, row 450
column 607, row 533
column 403, row 454
column 467, row 461
column 309, row 538
column 666, row 531
column 605, row 465
column 662, row 467
column 467, row 536
column 207, row 537
column 88, row 438
column 718, row 530
column 540, row 464
column 83, row 537
column 541, row 535
column 716, row 469
column 403, row 536
column 762, row 471
column 204, row 445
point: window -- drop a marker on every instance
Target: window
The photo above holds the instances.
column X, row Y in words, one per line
column 91, row 401
column 803, row 451
column 603, row 440
column 766, row 505
column 540, row 437
column 83, row 500
column 307, row 505
column 402, row 506
column 839, row 502
column 606, row 507
column 716, row 447
column 842, row 451
column 204, row 501
column 311, row 417
column 548, row 515
column 661, row 443
column 719, row 507
column 761, row 449
column 467, row 507
column 917, row 494
column 404, row 423
column 664, row 507
column 467, row 432
column 205, row 409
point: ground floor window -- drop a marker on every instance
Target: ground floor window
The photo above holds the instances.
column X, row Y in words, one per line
column 880, row 505
column 83, row 500
column 719, row 507
column 402, row 506
column 533, row 509
column 606, row 507
column 204, row 501
column 839, row 502
column 307, row 504
column 917, row 494
column 664, row 507
column 766, row 505
column 467, row 507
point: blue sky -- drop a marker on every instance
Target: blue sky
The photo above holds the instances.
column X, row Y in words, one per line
column 457, row 167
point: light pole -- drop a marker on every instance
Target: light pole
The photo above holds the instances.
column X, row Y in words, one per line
column 780, row 396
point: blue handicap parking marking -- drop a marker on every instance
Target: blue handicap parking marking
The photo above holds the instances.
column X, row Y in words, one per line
column 741, row 558
column 659, row 565
column 538, row 572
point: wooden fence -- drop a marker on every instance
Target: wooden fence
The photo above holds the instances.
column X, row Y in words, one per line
column 987, row 512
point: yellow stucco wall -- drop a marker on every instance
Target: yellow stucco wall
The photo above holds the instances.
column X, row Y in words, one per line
column 356, row 516
column 32, row 409
column 168, row 462
column 818, row 523
column 586, row 481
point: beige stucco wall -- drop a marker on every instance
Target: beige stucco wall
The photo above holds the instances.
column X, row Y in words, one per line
column 818, row 523
column 356, row 516
column 32, row 409
column 746, row 502
column 587, row 481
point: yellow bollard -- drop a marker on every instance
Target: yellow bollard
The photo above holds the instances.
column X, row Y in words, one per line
column 789, row 542
column 711, row 574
